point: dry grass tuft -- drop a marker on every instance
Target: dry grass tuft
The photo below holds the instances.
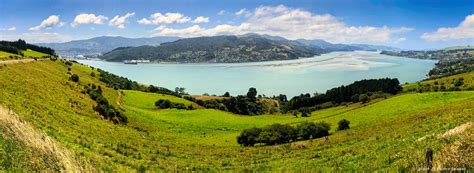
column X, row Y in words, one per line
column 58, row 157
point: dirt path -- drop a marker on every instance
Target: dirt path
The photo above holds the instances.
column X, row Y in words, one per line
column 21, row 131
column 16, row 61
column 459, row 129
column 119, row 98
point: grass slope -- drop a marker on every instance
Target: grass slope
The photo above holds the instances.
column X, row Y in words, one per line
column 26, row 53
column 383, row 134
column 447, row 82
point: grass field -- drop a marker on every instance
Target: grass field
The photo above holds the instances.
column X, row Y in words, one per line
column 390, row 134
column 27, row 53
column 33, row 53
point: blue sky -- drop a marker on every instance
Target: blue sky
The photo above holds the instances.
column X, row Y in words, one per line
column 406, row 24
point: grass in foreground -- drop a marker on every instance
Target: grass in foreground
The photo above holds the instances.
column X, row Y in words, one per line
column 383, row 135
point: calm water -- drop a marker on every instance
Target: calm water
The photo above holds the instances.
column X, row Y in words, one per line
column 292, row 77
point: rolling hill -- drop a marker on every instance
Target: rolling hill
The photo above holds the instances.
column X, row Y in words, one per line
column 100, row 45
column 220, row 49
column 39, row 102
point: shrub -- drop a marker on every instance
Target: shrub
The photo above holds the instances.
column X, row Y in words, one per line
column 280, row 134
column 248, row 137
column 74, row 78
column 363, row 98
column 92, row 74
column 343, row 124
column 166, row 104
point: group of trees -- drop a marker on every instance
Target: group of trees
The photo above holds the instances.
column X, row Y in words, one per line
column 355, row 92
column 244, row 105
column 103, row 107
column 166, row 104
column 16, row 47
column 280, row 134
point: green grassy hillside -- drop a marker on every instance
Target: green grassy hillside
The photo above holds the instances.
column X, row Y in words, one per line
column 390, row 134
column 27, row 53
column 463, row 81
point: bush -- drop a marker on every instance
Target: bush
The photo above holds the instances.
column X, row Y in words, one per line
column 343, row 124
column 363, row 98
column 74, row 78
column 92, row 74
column 166, row 104
column 280, row 134
column 248, row 137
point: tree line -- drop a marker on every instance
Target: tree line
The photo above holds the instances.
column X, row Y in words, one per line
column 280, row 134
column 355, row 92
column 241, row 104
column 16, row 47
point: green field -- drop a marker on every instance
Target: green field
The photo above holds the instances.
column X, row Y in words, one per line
column 27, row 53
column 32, row 53
column 390, row 134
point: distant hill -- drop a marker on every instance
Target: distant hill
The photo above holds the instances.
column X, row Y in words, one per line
column 466, row 47
column 345, row 47
column 100, row 45
column 223, row 49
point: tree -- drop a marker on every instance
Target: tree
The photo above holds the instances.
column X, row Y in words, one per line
column 74, row 78
column 343, row 124
column 226, row 94
column 252, row 94
column 364, row 98
column 163, row 104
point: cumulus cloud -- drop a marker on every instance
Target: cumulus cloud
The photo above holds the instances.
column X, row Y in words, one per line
column 119, row 21
column 293, row 23
column 47, row 23
column 201, row 19
column 465, row 30
column 37, row 37
column 87, row 19
column 168, row 18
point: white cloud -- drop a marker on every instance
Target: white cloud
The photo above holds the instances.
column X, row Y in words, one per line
column 399, row 40
column 196, row 30
column 87, row 19
column 243, row 12
column 37, row 37
column 168, row 18
column 11, row 29
column 47, row 23
column 294, row 23
column 201, row 19
column 220, row 13
column 465, row 30
column 120, row 21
